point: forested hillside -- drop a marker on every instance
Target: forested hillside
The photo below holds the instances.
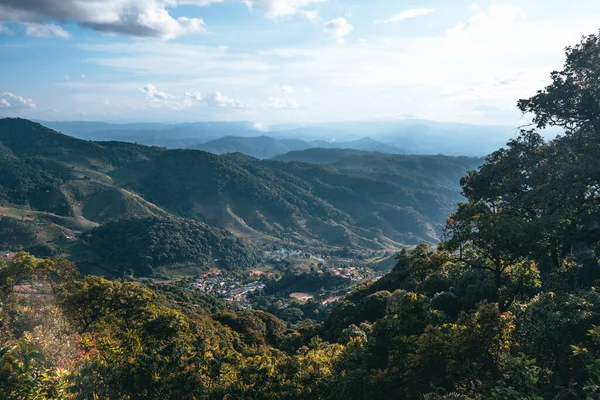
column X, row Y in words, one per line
column 141, row 245
column 54, row 187
column 299, row 201
column 506, row 307
column 65, row 183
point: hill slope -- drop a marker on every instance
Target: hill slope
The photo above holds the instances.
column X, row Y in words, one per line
column 53, row 188
column 359, row 199
column 297, row 200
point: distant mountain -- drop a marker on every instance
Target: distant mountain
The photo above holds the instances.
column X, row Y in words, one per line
column 269, row 147
column 366, row 144
column 359, row 199
column 259, row 147
column 165, row 135
column 413, row 136
column 395, row 137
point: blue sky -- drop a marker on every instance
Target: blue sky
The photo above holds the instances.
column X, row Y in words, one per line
column 273, row 61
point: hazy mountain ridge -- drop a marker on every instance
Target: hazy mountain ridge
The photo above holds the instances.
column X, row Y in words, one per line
column 269, row 147
column 402, row 137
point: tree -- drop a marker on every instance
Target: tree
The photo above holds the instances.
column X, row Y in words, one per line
column 535, row 199
column 23, row 269
column 572, row 100
column 490, row 234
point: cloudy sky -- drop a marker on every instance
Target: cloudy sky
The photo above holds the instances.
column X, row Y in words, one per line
column 282, row 60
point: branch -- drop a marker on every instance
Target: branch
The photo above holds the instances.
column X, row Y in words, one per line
column 476, row 266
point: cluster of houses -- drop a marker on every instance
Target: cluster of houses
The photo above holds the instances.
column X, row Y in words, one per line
column 284, row 253
column 229, row 288
column 290, row 253
column 355, row 274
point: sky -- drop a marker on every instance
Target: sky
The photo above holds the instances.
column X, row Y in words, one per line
column 276, row 61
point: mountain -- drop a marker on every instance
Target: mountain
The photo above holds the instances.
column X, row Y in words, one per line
column 426, row 172
column 413, row 136
column 299, row 201
column 269, row 147
column 259, row 147
column 409, row 136
column 60, row 187
column 366, row 144
column 359, row 199
column 187, row 135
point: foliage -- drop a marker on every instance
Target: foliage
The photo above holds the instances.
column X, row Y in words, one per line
column 143, row 245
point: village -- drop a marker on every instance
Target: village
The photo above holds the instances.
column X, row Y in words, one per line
column 236, row 287
column 228, row 287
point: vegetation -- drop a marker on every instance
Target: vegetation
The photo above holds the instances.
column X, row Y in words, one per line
column 141, row 245
column 507, row 306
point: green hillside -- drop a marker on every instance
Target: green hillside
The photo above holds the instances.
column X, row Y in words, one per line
column 143, row 245
column 302, row 201
column 55, row 188
column 367, row 202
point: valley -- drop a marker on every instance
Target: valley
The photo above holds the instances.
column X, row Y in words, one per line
column 130, row 209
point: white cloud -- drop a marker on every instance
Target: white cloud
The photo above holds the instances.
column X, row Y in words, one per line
column 153, row 93
column 283, row 8
column 287, row 89
column 200, row 3
column 142, row 18
column 283, row 103
column 193, row 95
column 157, row 58
column 413, row 13
column 83, row 76
column 312, row 15
column 10, row 100
column 272, row 9
column 216, row 99
column 338, row 28
column 45, row 31
column 192, row 25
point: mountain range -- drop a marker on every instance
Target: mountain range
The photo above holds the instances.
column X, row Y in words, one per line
column 268, row 147
column 396, row 137
column 120, row 192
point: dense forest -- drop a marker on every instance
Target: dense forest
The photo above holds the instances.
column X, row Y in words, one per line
column 505, row 307
column 140, row 245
